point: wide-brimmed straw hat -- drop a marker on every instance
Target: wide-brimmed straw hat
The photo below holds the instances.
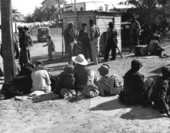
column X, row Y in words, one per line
column 80, row 59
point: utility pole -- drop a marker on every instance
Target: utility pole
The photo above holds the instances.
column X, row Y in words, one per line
column 7, row 40
column 75, row 16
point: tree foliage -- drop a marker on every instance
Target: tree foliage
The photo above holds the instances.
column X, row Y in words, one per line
column 149, row 10
column 46, row 13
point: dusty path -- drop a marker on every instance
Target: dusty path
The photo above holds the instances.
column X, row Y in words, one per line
column 98, row 115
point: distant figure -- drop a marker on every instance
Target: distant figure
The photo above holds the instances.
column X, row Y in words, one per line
column 111, row 42
column 40, row 79
column 108, row 84
column 160, row 92
column 134, row 32
column 135, row 90
column 84, row 77
column 84, row 40
column 94, row 33
column 25, row 43
column 51, row 47
column 154, row 47
column 70, row 40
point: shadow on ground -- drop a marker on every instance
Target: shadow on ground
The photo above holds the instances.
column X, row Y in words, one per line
column 136, row 112
column 158, row 70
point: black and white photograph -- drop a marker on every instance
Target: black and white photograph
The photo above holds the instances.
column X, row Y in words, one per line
column 84, row 66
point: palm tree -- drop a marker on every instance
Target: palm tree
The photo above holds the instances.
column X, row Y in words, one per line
column 17, row 16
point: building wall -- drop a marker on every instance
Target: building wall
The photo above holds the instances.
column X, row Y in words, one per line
column 88, row 6
column 101, row 19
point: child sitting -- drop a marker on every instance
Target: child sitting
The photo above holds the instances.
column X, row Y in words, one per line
column 51, row 47
column 108, row 84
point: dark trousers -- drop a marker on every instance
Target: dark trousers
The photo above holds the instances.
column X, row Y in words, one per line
column 24, row 57
column 110, row 46
column 135, row 40
column 86, row 51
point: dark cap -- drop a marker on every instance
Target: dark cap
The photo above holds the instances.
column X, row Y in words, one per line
column 104, row 69
column 110, row 23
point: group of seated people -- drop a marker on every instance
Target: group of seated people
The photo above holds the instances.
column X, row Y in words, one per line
column 79, row 80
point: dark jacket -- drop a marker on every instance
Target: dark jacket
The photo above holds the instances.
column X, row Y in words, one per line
column 81, row 75
column 65, row 80
column 134, row 91
column 83, row 37
column 161, row 94
column 69, row 36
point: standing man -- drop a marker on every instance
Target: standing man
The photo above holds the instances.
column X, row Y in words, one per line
column 70, row 41
column 25, row 42
column 134, row 32
column 84, row 40
column 94, row 33
column 111, row 42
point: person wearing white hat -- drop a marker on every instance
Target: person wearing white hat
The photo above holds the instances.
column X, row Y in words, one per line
column 84, row 77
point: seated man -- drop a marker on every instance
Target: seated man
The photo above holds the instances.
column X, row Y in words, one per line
column 160, row 92
column 108, row 84
column 154, row 47
column 65, row 84
column 135, row 90
column 84, row 77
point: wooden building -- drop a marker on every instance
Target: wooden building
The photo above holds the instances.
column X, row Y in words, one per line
column 100, row 18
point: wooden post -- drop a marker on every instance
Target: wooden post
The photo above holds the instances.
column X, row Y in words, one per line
column 7, row 40
column 75, row 15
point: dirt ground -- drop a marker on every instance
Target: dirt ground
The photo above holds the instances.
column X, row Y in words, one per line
column 96, row 115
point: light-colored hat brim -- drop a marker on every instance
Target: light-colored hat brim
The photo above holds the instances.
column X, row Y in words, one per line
column 85, row 62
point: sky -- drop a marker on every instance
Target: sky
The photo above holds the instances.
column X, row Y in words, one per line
column 27, row 6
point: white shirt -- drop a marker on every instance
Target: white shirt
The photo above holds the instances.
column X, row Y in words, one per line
column 40, row 80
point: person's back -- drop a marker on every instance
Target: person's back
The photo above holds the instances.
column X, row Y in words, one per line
column 134, row 83
column 40, row 79
column 134, row 91
column 81, row 75
column 154, row 48
column 108, row 84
